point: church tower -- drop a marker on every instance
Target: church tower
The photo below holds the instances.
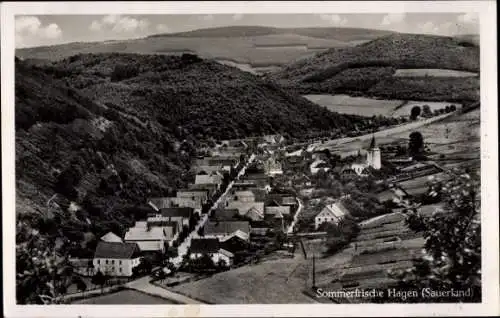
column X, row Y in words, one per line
column 373, row 157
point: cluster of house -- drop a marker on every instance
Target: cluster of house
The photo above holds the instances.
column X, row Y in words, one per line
column 169, row 217
column 249, row 210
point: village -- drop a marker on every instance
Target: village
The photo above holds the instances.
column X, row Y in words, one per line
column 263, row 198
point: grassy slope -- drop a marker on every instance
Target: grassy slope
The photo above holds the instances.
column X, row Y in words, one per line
column 368, row 69
column 239, row 44
column 118, row 142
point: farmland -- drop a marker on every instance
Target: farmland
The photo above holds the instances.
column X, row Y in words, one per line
column 371, row 261
column 434, row 72
column 355, row 105
column 273, row 281
column 366, row 106
column 256, row 46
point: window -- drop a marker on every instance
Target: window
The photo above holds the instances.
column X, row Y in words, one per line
column 98, row 261
column 120, row 262
column 112, row 261
column 120, row 269
column 106, row 262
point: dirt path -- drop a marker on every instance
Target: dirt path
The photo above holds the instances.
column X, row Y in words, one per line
column 383, row 133
column 144, row 286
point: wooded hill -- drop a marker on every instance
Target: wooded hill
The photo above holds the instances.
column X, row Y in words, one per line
column 368, row 69
column 107, row 131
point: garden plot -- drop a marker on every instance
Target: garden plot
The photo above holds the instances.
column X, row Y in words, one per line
column 363, row 106
column 434, row 72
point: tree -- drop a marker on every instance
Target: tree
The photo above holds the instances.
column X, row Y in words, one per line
column 452, row 258
column 426, row 111
column 80, row 284
column 416, row 143
column 99, row 279
column 415, row 112
column 42, row 274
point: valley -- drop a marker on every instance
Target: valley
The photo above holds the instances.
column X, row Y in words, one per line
column 317, row 149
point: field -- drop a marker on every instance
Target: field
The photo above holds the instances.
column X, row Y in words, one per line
column 455, row 140
column 434, row 72
column 129, row 297
column 258, row 46
column 355, row 105
column 276, row 281
column 366, row 106
column 373, row 257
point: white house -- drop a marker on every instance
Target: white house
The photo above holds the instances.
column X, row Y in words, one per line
column 332, row 213
column 210, row 247
column 150, row 238
column 116, row 258
column 317, row 165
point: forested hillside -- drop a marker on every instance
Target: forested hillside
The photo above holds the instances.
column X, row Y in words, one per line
column 104, row 132
column 368, row 69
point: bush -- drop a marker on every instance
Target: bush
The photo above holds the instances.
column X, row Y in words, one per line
column 124, row 71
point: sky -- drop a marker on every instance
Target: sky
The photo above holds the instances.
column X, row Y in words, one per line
column 56, row 29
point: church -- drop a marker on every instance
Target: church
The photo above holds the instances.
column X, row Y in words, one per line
column 373, row 160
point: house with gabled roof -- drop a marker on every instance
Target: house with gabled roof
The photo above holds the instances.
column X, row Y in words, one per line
column 224, row 214
column 243, row 196
column 278, row 210
column 150, row 238
column 111, row 237
column 223, row 229
column 116, row 258
column 331, row 213
column 173, row 202
column 183, row 214
column 209, row 178
column 252, row 210
column 200, row 196
column 211, row 188
column 212, row 248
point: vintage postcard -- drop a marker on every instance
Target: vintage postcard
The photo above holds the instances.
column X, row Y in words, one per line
column 167, row 159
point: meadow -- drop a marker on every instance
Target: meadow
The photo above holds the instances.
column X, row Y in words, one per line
column 346, row 104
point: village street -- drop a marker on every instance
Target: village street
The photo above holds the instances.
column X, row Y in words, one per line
column 143, row 284
column 295, row 217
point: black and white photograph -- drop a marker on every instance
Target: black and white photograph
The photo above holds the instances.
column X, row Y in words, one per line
column 205, row 154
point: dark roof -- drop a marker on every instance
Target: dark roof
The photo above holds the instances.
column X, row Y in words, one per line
column 116, row 250
column 259, row 224
column 227, row 227
column 225, row 214
column 180, row 211
column 204, row 245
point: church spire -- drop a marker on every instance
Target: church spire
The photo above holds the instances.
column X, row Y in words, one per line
column 372, row 143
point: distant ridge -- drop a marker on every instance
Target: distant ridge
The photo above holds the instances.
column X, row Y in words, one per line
column 245, row 31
